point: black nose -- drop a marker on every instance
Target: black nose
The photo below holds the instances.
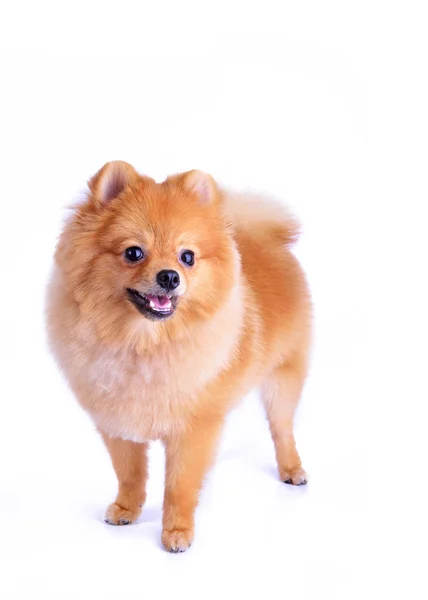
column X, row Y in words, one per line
column 168, row 280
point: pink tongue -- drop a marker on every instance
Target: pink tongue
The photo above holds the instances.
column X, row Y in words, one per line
column 159, row 301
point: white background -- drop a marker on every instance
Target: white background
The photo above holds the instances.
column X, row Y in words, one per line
column 323, row 104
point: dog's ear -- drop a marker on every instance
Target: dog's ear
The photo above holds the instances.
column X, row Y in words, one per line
column 110, row 181
column 198, row 183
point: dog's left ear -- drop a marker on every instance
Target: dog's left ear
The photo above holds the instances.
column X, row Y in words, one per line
column 198, row 183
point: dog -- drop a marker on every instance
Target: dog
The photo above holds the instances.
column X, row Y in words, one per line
column 168, row 303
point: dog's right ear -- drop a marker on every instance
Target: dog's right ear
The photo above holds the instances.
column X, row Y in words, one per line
column 110, row 181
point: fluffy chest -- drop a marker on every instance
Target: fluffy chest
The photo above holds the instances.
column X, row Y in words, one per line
column 143, row 396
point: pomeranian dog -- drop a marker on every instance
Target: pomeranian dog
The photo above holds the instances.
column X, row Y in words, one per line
column 168, row 303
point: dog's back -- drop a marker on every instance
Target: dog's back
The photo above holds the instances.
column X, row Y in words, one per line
column 265, row 231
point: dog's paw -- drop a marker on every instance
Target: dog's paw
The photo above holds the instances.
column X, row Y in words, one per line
column 116, row 515
column 177, row 540
column 295, row 476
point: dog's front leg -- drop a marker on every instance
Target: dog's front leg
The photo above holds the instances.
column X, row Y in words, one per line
column 188, row 458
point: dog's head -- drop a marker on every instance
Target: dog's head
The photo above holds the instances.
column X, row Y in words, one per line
column 157, row 251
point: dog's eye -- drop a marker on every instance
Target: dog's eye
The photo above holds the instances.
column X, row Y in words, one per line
column 134, row 254
column 187, row 257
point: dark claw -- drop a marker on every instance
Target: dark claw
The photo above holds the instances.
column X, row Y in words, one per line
column 178, row 550
column 289, row 481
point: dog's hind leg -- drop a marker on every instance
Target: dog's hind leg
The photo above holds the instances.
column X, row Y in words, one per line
column 281, row 393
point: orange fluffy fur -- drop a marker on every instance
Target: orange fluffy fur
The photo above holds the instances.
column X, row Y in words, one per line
column 242, row 319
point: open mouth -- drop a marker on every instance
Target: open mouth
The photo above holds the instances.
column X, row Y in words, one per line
column 151, row 306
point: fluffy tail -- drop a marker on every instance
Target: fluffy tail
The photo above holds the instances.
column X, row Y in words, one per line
column 253, row 214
